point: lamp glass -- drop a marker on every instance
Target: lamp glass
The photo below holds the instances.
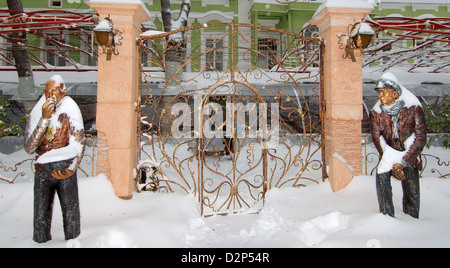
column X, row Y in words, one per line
column 102, row 37
column 362, row 40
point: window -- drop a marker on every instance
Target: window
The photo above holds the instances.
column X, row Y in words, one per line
column 54, row 53
column 88, row 46
column 55, row 3
column 6, row 56
column 216, row 2
column 146, row 55
column 312, row 31
column 268, row 49
column 214, row 58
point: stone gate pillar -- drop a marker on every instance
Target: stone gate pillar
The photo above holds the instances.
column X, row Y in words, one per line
column 343, row 91
column 117, row 94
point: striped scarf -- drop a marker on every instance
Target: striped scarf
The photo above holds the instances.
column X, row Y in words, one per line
column 393, row 109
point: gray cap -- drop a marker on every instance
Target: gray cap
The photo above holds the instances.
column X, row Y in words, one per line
column 386, row 83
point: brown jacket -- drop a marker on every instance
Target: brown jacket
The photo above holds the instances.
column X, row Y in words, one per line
column 41, row 138
column 411, row 121
column 60, row 139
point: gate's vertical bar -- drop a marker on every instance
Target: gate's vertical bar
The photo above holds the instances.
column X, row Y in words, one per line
column 140, row 44
column 233, row 70
column 233, row 47
column 200, row 173
column 198, row 115
column 322, row 110
column 264, row 152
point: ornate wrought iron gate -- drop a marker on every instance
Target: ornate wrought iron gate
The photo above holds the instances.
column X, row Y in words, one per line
column 229, row 111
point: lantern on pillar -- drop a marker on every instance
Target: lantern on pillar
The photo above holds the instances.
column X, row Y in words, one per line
column 359, row 37
column 107, row 38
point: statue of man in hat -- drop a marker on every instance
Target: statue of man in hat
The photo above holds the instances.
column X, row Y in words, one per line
column 55, row 132
column 399, row 133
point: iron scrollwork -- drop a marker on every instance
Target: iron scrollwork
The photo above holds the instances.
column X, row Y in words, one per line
column 228, row 112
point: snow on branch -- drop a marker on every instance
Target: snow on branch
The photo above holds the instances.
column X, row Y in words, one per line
column 419, row 43
column 169, row 23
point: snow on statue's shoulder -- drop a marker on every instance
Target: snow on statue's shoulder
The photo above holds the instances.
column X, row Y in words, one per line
column 70, row 107
column 35, row 115
column 407, row 96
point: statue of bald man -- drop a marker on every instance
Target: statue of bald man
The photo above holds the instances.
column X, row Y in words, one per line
column 55, row 132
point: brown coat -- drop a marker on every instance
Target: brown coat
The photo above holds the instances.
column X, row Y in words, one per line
column 411, row 121
column 61, row 137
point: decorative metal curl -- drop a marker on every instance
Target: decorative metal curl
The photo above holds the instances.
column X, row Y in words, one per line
column 235, row 177
column 14, row 169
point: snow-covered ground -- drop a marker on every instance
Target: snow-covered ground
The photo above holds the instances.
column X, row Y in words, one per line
column 311, row 216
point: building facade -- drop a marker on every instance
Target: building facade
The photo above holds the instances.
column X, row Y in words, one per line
column 293, row 17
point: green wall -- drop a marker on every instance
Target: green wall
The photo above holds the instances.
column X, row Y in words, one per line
column 409, row 12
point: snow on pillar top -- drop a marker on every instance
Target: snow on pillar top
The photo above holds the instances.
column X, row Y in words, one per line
column 123, row 2
column 130, row 2
column 356, row 4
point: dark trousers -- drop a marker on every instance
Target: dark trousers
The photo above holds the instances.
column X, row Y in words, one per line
column 411, row 192
column 45, row 187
